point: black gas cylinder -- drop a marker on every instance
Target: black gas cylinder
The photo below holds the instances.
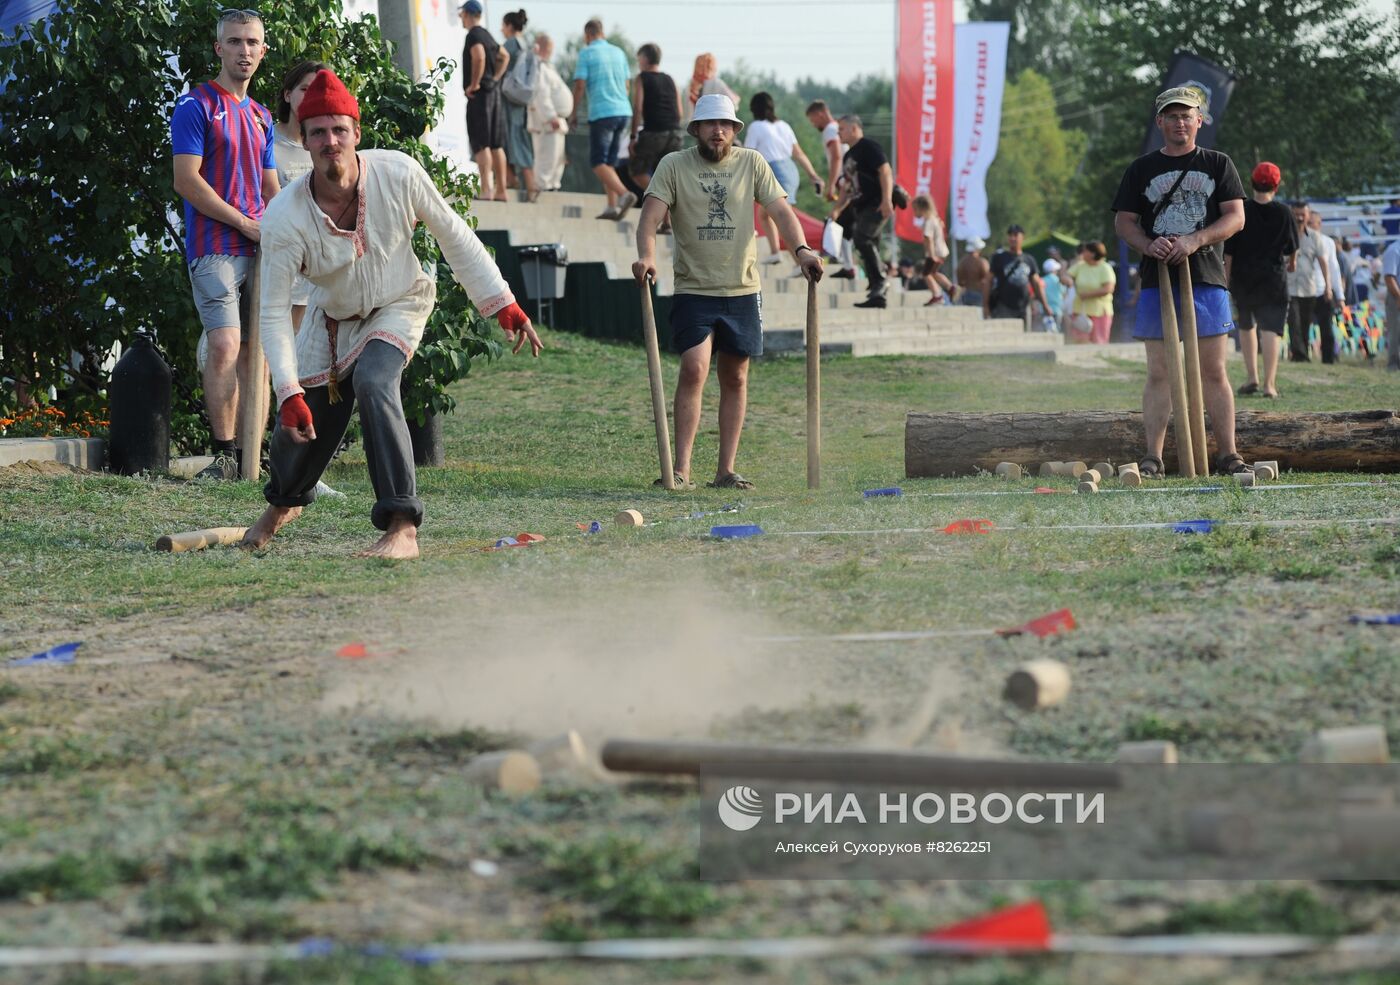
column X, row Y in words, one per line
column 139, row 435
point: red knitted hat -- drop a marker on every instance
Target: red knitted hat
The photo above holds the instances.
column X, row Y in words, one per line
column 327, row 96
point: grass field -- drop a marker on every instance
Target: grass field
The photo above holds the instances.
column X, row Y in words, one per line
column 210, row 770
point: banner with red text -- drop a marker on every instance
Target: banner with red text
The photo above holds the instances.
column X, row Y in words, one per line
column 980, row 80
column 923, row 105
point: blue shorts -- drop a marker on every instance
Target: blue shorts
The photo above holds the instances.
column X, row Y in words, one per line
column 736, row 323
column 605, row 139
column 1213, row 315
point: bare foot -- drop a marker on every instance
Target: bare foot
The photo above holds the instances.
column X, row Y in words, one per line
column 400, row 543
column 273, row 519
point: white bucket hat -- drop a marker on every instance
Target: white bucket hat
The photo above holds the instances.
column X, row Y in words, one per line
column 715, row 106
column 975, row 242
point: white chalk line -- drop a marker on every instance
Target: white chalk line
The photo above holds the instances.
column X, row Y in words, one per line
column 1270, row 487
column 890, row 635
column 499, row 952
column 1170, row 525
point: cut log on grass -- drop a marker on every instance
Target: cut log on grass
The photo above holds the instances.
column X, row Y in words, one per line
column 1008, row 470
column 1037, row 684
column 848, row 765
column 1129, row 476
column 562, row 753
column 509, row 771
column 1356, row 744
column 954, row 444
column 1156, row 752
column 629, row 518
column 198, row 540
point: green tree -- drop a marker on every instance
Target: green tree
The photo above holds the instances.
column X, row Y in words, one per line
column 1028, row 183
column 1316, row 91
column 90, row 249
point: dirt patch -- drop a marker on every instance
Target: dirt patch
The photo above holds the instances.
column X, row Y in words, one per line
column 30, row 468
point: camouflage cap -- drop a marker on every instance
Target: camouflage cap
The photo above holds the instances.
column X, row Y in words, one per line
column 1187, row 95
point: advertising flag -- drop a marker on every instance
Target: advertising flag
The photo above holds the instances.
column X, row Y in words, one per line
column 980, row 80
column 924, row 105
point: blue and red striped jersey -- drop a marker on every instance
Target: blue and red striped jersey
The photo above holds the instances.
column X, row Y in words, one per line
column 234, row 139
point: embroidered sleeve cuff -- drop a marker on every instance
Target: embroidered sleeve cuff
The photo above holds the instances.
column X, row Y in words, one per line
column 492, row 305
column 286, row 390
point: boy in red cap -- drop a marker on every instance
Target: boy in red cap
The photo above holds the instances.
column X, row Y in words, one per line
column 347, row 225
column 1258, row 260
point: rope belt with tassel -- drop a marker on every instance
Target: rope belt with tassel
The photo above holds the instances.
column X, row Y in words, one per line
column 332, row 334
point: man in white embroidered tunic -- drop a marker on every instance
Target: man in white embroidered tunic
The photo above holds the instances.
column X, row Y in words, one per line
column 348, row 226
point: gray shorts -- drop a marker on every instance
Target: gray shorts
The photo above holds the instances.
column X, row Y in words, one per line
column 218, row 282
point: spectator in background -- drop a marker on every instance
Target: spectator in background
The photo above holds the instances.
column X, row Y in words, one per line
column 520, row 149
column 548, row 118
column 820, row 117
column 1360, row 274
column 656, row 116
column 483, row 65
column 1390, row 278
column 1094, row 283
column 1327, row 336
column 1012, row 281
column 867, row 203
column 774, row 139
column 1258, row 260
column 705, row 81
column 1308, row 292
column 1050, row 273
column 936, row 251
column 972, row 273
column 601, row 76
column 1391, row 224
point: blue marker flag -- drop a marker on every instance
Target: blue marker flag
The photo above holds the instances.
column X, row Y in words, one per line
column 890, row 491
column 733, row 533
column 64, row 653
column 1193, row 527
column 1391, row 620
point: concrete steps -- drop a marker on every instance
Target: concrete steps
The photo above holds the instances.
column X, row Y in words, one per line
column 904, row 326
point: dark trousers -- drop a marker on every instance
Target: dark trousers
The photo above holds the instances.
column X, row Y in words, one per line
column 1303, row 313
column 373, row 383
column 869, row 223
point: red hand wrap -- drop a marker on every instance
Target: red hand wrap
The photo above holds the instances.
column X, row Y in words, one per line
column 512, row 318
column 294, row 413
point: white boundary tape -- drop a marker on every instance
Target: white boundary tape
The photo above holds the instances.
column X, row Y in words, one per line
column 1270, row 487
column 500, row 952
column 1348, row 521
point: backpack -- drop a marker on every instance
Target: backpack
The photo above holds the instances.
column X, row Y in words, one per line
column 519, row 84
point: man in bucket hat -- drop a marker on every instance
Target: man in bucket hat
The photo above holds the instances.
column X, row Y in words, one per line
column 710, row 190
column 1178, row 205
column 347, row 225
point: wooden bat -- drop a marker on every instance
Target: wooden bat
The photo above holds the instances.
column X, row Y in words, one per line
column 198, row 540
column 1195, row 396
column 253, row 396
column 1176, row 374
column 814, row 391
column 658, row 392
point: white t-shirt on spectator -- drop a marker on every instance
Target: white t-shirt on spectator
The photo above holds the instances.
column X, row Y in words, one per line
column 773, row 140
column 1390, row 261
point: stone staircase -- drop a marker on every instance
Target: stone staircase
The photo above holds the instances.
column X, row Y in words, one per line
column 905, row 327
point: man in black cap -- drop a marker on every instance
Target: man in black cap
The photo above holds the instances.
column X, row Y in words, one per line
column 1011, row 281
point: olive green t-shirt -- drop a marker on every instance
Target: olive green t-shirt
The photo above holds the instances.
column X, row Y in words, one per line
column 712, row 218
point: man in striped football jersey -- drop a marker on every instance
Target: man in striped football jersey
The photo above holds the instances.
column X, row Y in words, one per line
column 225, row 172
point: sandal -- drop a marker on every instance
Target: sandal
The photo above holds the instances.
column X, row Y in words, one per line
column 1231, row 464
column 681, row 482
column 731, row 481
column 1248, row 389
column 1151, row 467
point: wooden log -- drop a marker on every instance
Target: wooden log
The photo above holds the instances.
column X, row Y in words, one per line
column 1245, row 479
column 1105, row 469
column 562, row 753
column 1047, row 469
column 954, row 444
column 198, row 540
column 1008, row 470
column 1266, row 471
column 1150, row 752
column 1357, row 744
column 1129, row 476
column 856, row 765
column 1092, row 475
column 509, row 771
column 629, row 518
column 1037, row 684
column 1088, row 486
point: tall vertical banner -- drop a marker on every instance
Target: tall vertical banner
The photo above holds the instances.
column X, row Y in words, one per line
column 923, row 105
column 980, row 82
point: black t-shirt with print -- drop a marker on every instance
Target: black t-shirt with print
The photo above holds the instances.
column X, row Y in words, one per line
column 862, row 166
column 1211, row 179
column 480, row 36
column 1260, row 252
column 1011, row 280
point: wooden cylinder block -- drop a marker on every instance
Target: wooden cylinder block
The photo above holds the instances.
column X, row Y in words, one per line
column 1048, row 469
column 1088, row 486
column 1092, row 475
column 1037, row 684
column 1245, row 479
column 1153, row 752
column 510, row 771
column 1104, row 469
column 1075, row 469
column 1009, row 470
column 1355, row 744
column 563, row 753
column 1266, row 471
column 628, row 518
column 1129, row 475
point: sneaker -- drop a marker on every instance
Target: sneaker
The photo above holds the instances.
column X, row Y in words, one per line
column 608, row 213
column 844, row 274
column 624, row 203
column 324, row 490
column 874, row 301
column 224, row 466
